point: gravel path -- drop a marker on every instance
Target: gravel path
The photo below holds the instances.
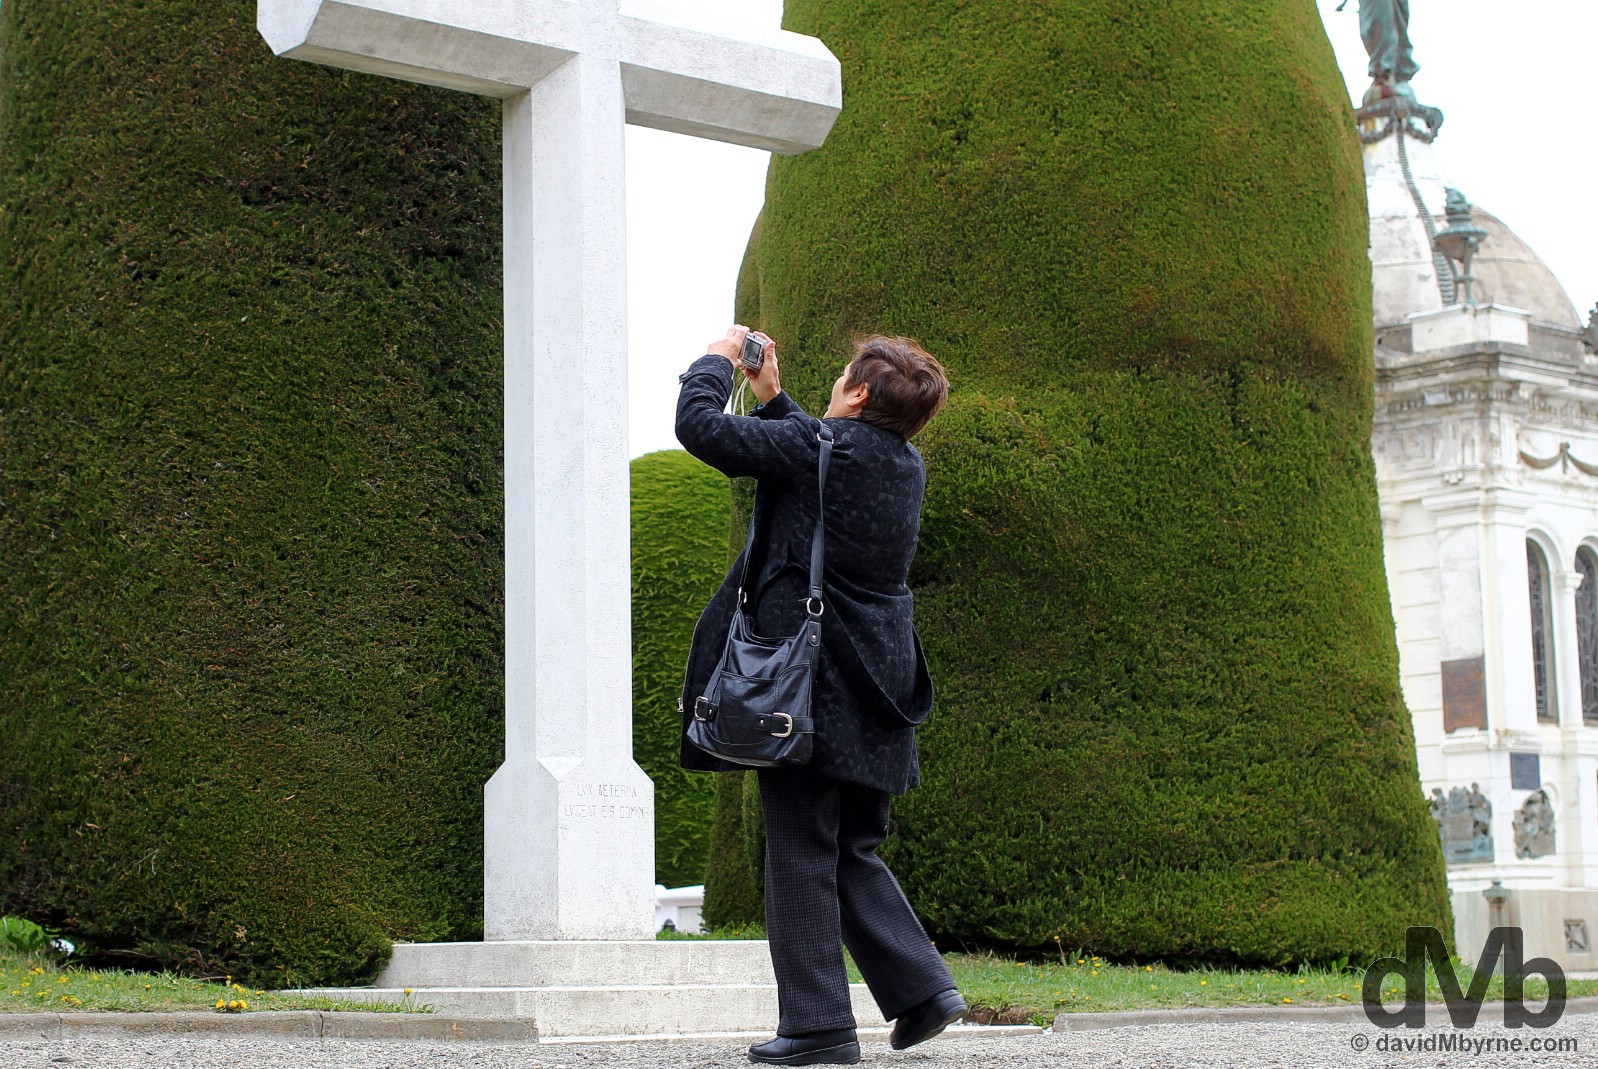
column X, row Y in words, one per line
column 1189, row 1046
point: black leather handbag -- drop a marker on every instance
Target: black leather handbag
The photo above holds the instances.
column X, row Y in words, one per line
column 756, row 708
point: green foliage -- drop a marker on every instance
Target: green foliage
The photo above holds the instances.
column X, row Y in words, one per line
column 735, row 880
column 754, row 831
column 252, row 511
column 749, row 930
column 1150, row 579
column 679, row 554
column 24, row 936
column 732, row 894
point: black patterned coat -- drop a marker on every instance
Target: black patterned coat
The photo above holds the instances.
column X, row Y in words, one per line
column 871, row 682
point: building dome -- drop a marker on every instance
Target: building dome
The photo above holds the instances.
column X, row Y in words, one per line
column 1407, row 194
column 1508, row 272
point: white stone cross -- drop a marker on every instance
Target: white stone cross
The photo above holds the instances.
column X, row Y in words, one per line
column 569, row 835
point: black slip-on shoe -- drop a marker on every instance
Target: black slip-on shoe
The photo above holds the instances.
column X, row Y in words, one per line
column 928, row 1019
column 839, row 1046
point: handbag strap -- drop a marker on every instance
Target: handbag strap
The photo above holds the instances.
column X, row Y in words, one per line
column 818, row 539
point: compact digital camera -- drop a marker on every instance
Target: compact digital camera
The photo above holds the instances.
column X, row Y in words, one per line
column 754, row 353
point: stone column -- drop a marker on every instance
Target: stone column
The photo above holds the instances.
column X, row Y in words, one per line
column 1481, row 551
column 1457, row 516
column 1506, row 616
column 569, row 828
column 1563, row 584
column 1580, row 746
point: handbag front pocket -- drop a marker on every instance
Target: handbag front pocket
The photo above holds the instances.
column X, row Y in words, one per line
column 740, row 702
column 763, row 721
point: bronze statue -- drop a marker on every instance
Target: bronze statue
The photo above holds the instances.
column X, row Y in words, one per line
column 1534, row 827
column 1384, row 24
column 1464, row 818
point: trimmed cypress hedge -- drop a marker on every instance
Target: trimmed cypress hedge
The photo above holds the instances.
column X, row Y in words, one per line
column 733, row 878
column 1150, row 580
column 251, row 526
column 680, row 510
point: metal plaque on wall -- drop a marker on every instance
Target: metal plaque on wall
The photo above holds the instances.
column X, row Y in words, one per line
column 1464, row 694
column 1525, row 771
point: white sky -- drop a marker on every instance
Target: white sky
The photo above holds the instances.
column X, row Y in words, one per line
column 1516, row 82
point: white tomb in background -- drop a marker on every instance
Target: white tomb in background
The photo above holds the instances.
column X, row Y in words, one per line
column 681, row 908
column 1486, row 450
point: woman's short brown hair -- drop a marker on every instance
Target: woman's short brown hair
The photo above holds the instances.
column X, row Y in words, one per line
column 908, row 385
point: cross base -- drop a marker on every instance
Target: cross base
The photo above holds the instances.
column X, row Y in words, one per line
column 590, row 989
column 569, row 850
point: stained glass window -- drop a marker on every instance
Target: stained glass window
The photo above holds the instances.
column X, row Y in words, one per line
column 1587, row 632
column 1537, row 590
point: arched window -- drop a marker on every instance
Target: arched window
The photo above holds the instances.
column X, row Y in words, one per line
column 1542, row 630
column 1587, row 632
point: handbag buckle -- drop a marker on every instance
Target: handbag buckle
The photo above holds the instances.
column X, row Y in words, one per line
column 703, row 709
column 789, row 731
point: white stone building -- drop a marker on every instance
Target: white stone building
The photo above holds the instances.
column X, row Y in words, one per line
column 1486, row 448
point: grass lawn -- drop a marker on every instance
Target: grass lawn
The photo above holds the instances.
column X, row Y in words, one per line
column 1002, row 990
column 36, row 984
column 999, row 988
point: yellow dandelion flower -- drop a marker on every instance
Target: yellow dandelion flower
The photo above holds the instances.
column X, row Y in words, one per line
column 1285, row 999
column 61, row 979
column 1341, row 995
column 407, row 991
column 1148, row 968
column 220, row 1004
column 1204, row 983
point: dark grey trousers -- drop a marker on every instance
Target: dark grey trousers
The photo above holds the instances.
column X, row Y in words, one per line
column 826, row 888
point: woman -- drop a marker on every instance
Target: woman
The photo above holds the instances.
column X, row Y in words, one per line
column 825, row 886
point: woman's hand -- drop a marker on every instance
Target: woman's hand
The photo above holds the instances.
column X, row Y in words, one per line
column 765, row 383
column 731, row 346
